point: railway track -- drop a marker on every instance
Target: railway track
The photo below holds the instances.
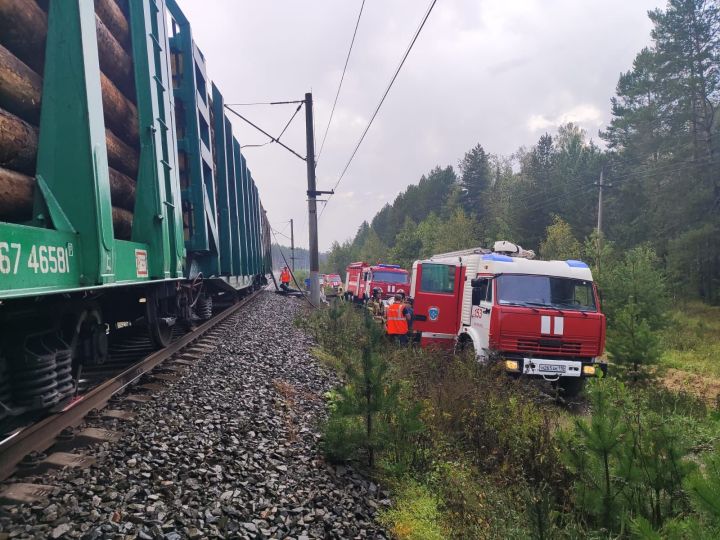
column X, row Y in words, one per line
column 41, row 435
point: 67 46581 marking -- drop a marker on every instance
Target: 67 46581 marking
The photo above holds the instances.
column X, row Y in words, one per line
column 40, row 259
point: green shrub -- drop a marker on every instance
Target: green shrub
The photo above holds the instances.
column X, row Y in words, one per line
column 342, row 438
column 476, row 505
column 704, row 488
column 416, row 514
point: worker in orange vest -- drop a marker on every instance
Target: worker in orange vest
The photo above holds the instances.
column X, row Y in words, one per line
column 396, row 320
column 285, row 277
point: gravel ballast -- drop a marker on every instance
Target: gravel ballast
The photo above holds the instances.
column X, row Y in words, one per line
column 230, row 450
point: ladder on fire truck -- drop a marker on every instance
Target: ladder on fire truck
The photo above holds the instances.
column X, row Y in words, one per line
column 502, row 247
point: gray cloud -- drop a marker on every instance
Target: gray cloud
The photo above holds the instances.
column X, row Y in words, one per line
column 496, row 72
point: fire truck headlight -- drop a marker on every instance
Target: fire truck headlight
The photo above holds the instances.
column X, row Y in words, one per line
column 589, row 370
column 512, row 365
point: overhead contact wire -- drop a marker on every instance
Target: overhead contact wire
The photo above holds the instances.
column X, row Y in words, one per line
column 342, row 78
column 382, row 100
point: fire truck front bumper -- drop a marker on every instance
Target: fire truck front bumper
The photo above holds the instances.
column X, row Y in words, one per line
column 553, row 369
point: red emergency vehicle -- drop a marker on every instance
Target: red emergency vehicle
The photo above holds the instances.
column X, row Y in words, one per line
column 541, row 318
column 362, row 278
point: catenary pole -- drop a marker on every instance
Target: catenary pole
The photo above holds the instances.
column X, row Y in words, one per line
column 292, row 246
column 312, row 204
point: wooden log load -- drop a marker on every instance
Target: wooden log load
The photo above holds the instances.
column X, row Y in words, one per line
column 20, row 93
column 16, row 202
column 18, row 151
column 121, row 156
column 114, row 18
column 27, row 40
column 23, row 30
column 114, row 60
column 20, row 87
column 18, row 143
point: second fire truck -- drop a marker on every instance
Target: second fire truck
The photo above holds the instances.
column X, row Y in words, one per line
column 362, row 278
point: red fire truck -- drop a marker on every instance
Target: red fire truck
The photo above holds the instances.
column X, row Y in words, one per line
column 362, row 278
column 541, row 318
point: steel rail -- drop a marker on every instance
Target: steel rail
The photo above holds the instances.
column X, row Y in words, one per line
column 41, row 435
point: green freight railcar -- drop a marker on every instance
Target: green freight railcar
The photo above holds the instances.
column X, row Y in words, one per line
column 124, row 197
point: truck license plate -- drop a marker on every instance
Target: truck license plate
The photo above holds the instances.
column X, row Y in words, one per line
column 552, row 368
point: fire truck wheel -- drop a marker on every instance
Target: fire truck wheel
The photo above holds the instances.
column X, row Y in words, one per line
column 570, row 387
column 464, row 345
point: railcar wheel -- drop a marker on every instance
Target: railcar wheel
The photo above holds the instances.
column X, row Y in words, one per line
column 89, row 343
column 203, row 307
column 5, row 391
column 160, row 319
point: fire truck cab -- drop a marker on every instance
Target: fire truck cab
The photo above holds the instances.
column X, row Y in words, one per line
column 540, row 318
column 362, row 278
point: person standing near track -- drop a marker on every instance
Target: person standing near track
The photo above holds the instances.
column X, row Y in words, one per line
column 396, row 320
column 375, row 304
column 285, row 278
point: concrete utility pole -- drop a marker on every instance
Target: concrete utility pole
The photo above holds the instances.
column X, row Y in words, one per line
column 600, row 186
column 600, row 204
column 292, row 246
column 312, row 204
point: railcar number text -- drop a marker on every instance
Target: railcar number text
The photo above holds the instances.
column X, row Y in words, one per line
column 40, row 259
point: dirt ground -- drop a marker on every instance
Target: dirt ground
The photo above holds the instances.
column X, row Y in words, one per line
column 703, row 386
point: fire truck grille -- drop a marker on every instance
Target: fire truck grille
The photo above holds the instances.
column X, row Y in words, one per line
column 550, row 346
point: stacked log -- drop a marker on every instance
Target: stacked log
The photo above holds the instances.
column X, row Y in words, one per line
column 23, row 30
column 16, row 198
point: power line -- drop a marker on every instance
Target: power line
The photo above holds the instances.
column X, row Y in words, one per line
column 382, row 100
column 342, row 77
column 279, row 233
column 261, row 130
column 262, row 103
column 286, row 223
column 290, row 121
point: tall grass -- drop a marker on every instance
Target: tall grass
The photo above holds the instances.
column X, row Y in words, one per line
column 691, row 341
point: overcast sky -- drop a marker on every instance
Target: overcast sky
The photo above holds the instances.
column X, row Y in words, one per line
column 495, row 72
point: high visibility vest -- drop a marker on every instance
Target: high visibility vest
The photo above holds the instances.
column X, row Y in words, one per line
column 285, row 277
column 396, row 322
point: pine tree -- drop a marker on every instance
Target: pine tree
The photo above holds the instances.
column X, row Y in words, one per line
column 559, row 243
column 460, row 231
column 475, row 179
column 594, row 454
column 373, row 249
column 407, row 245
column 368, row 394
column 636, row 306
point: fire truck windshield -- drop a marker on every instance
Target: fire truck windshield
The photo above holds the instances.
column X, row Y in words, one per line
column 390, row 277
column 545, row 291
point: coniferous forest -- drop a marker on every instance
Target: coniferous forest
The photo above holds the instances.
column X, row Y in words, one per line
column 659, row 160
